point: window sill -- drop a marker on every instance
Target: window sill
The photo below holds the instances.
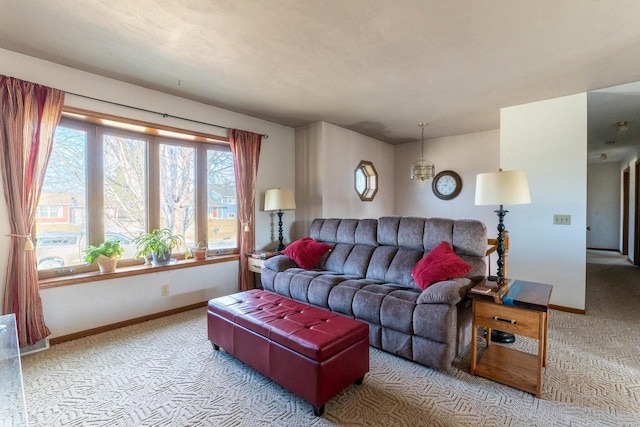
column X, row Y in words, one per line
column 133, row 270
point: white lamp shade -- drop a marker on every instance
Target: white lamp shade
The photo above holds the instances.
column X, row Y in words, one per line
column 278, row 199
column 502, row 188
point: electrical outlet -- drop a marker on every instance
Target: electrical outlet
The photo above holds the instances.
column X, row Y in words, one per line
column 561, row 219
column 164, row 290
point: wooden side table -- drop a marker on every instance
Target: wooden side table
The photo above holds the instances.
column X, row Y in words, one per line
column 523, row 312
column 255, row 261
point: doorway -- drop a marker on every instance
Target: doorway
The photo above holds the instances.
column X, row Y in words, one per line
column 636, row 234
column 626, row 177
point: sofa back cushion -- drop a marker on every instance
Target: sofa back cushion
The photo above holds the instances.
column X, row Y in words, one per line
column 352, row 231
column 411, row 232
column 437, row 230
column 380, row 261
column 387, row 248
column 358, row 261
column 388, row 230
column 349, row 259
column 399, row 271
column 470, row 238
column 354, row 242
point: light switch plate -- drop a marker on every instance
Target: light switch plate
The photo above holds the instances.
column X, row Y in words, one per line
column 561, row 219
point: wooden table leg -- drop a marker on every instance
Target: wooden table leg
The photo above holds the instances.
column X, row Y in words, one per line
column 474, row 340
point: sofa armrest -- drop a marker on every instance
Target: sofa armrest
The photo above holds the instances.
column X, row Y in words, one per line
column 448, row 291
column 279, row 263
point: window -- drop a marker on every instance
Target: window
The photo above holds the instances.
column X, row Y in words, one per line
column 222, row 228
column 50, row 211
column 108, row 182
column 178, row 190
column 124, row 186
column 366, row 181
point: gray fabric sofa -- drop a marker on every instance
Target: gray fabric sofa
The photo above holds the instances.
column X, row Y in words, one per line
column 367, row 276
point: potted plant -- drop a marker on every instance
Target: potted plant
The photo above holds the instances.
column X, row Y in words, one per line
column 158, row 243
column 199, row 252
column 107, row 255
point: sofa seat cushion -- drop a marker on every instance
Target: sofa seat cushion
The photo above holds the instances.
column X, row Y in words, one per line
column 341, row 296
column 309, row 286
column 367, row 302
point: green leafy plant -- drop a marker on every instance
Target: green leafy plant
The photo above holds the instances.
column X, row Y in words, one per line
column 110, row 249
column 158, row 242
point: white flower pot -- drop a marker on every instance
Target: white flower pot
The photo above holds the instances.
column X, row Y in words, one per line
column 106, row 264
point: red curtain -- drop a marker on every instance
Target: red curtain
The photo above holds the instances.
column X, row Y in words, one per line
column 29, row 114
column 245, row 147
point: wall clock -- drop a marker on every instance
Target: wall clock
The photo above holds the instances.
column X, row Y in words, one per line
column 446, row 185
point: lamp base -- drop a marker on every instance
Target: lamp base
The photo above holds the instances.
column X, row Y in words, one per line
column 280, row 246
column 502, row 337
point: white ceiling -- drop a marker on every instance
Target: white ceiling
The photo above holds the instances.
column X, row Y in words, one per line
column 378, row 67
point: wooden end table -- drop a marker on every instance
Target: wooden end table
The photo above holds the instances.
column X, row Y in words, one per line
column 256, row 262
column 523, row 311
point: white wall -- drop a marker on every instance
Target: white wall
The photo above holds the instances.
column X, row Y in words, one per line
column 117, row 300
column 326, row 158
column 309, row 181
column 468, row 155
column 342, row 152
column 548, row 139
column 75, row 308
column 604, row 205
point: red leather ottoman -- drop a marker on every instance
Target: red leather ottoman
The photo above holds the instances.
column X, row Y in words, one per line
column 309, row 351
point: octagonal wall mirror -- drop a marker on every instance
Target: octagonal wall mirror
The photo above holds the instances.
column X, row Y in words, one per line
column 366, row 181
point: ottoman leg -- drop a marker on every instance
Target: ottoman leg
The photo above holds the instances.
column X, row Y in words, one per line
column 215, row 346
column 359, row 380
column 318, row 411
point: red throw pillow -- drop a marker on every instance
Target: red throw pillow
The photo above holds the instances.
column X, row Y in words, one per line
column 439, row 264
column 306, row 252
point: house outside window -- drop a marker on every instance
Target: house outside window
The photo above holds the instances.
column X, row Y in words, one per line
column 52, row 212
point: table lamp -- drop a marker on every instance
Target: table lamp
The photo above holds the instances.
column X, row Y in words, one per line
column 502, row 188
column 279, row 200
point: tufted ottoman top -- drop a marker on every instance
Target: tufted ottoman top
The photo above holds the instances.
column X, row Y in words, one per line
column 311, row 331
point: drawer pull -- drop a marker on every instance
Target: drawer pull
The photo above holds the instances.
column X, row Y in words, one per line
column 500, row 319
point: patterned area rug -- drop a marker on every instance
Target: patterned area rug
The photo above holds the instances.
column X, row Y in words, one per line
column 165, row 373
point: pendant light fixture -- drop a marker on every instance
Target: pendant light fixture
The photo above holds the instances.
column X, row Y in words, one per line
column 622, row 126
column 422, row 169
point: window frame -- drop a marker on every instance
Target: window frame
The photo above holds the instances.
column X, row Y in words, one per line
column 96, row 125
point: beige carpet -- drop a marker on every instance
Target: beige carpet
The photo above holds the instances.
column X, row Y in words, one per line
column 164, row 373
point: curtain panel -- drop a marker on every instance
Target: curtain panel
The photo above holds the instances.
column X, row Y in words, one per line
column 245, row 147
column 29, row 114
